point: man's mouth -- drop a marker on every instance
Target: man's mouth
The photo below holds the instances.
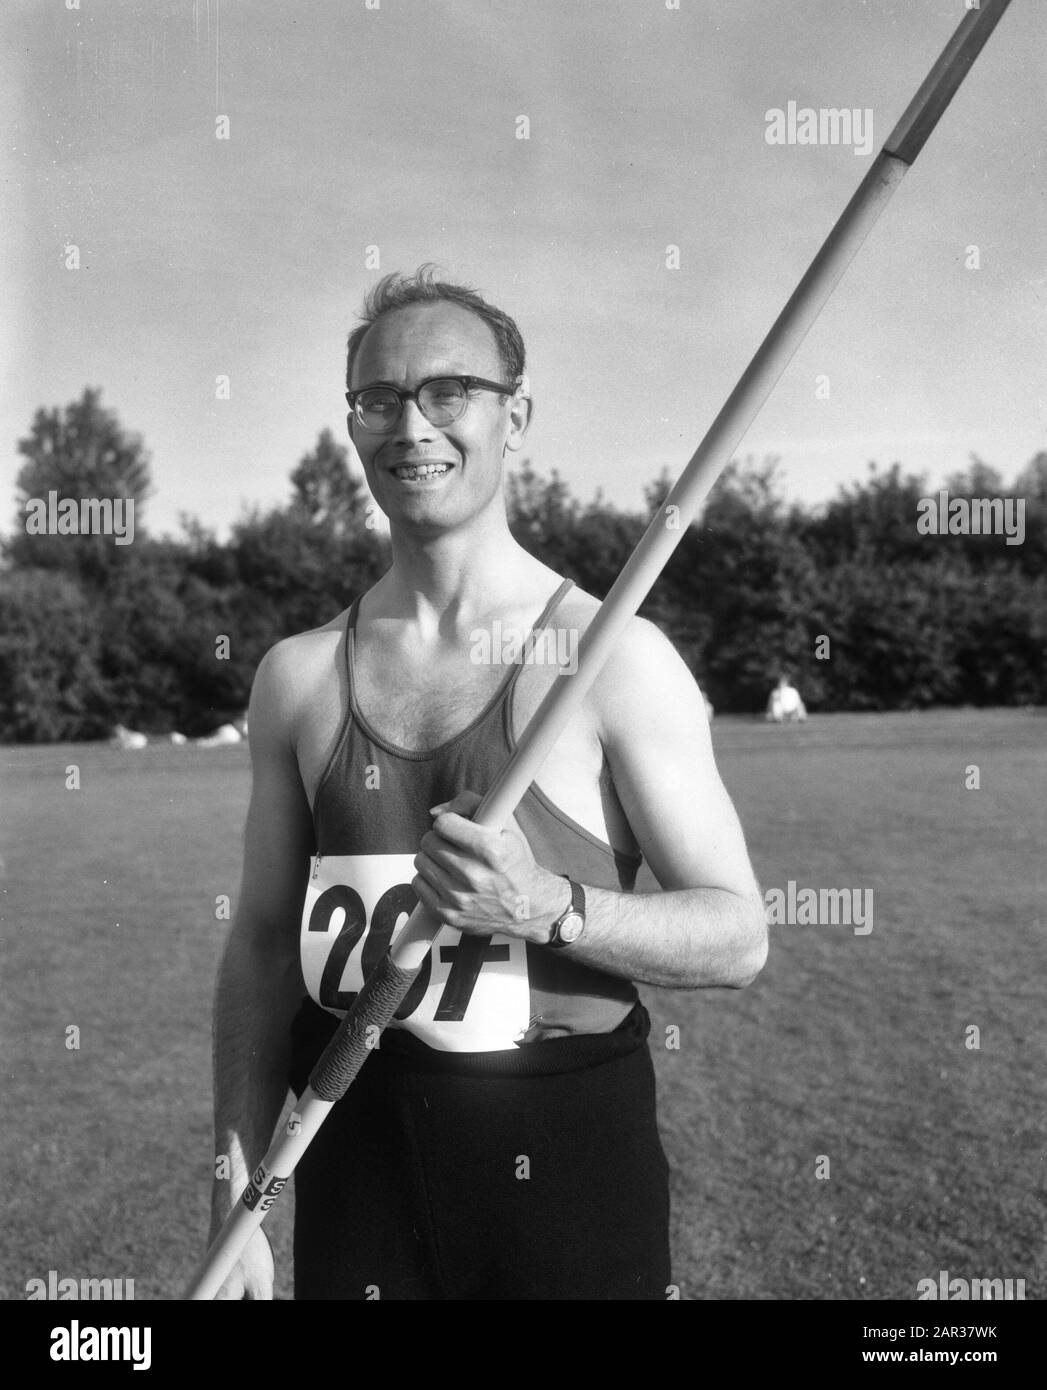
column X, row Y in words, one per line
column 418, row 472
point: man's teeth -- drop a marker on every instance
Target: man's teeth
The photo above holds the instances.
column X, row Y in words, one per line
column 421, row 470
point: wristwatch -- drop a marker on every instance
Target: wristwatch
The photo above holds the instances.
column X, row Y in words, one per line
column 569, row 927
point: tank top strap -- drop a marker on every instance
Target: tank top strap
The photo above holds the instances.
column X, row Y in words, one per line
column 547, row 612
column 350, row 643
column 503, row 700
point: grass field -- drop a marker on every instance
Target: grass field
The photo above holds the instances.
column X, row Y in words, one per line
column 849, row 1046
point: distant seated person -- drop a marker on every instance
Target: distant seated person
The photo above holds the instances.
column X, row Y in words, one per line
column 235, row 732
column 785, row 705
column 127, row 738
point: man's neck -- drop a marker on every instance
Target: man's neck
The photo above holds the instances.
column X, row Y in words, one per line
column 444, row 586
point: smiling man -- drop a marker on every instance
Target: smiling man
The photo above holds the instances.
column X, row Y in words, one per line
column 502, row 1141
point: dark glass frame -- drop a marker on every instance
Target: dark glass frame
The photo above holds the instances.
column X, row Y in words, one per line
column 469, row 383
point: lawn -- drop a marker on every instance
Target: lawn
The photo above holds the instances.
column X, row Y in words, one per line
column 850, row 1057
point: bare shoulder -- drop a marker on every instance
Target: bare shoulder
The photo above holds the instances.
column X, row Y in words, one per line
column 643, row 678
column 290, row 677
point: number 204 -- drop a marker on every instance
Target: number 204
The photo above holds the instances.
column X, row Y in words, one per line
column 467, row 958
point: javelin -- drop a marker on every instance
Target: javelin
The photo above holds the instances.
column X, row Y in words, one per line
column 386, row 986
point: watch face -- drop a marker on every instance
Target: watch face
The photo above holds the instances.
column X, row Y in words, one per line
column 571, row 927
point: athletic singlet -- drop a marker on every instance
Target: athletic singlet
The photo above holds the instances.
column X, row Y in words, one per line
column 370, row 813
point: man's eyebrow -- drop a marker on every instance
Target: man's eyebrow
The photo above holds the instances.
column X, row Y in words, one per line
column 394, row 386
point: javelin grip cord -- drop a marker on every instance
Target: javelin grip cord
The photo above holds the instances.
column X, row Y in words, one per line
column 373, row 1008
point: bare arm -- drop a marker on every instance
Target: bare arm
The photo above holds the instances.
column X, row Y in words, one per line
column 259, row 982
column 708, row 927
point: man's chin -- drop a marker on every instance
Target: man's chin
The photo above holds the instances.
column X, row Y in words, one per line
column 421, row 510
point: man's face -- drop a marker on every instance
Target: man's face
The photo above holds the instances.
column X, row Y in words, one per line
column 403, row 349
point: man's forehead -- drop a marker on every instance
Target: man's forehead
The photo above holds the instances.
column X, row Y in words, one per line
column 421, row 339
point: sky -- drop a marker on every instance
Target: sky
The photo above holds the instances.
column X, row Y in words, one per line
column 395, row 125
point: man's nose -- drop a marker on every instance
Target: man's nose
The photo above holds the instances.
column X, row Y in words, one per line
column 412, row 426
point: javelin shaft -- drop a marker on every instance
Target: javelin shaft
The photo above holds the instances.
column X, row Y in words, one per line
column 267, row 1182
column 386, row 987
column 378, row 1000
column 727, row 430
column 671, row 521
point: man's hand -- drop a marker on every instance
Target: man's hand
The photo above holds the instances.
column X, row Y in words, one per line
column 485, row 881
column 252, row 1276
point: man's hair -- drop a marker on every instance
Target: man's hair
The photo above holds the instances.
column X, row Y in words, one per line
column 397, row 291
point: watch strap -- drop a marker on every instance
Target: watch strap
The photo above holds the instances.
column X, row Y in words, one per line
column 575, row 909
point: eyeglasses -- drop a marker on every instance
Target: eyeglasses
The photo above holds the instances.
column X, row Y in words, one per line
column 441, row 399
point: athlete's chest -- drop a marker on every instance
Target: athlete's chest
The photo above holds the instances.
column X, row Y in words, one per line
column 420, row 700
column 419, row 705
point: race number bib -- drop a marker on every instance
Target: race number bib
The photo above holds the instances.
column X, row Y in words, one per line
column 471, row 995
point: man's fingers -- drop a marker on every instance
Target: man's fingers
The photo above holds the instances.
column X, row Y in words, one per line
column 461, row 832
column 428, row 897
column 440, row 873
column 439, row 851
column 453, row 825
column 464, row 804
column 263, row 1293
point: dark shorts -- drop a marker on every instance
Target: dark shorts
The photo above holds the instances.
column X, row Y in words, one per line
column 536, row 1174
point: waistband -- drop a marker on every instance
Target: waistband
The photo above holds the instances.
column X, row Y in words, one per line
column 576, row 1052
column 402, row 1052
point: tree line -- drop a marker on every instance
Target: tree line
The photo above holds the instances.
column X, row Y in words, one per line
column 864, row 610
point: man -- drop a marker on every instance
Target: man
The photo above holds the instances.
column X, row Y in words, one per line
column 501, row 1141
column 785, row 704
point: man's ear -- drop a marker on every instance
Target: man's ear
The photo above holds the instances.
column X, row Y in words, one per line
column 520, row 413
column 350, row 420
